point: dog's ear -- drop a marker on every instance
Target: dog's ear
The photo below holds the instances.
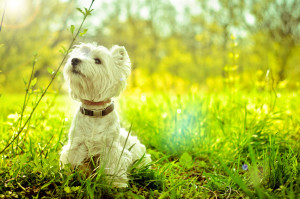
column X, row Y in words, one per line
column 121, row 57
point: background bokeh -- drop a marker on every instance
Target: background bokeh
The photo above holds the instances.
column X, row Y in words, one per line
column 174, row 45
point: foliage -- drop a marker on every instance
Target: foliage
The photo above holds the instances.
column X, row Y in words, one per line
column 191, row 41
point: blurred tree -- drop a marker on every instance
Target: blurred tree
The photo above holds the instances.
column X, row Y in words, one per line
column 227, row 17
column 40, row 28
column 190, row 40
column 279, row 22
column 142, row 27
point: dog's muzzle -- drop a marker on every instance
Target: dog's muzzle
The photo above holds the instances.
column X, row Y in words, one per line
column 75, row 62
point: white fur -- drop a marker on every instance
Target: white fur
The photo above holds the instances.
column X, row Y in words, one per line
column 100, row 137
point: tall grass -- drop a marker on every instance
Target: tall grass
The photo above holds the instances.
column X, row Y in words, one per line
column 226, row 131
column 201, row 143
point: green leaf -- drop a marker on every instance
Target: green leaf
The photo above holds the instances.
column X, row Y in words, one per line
column 34, row 60
column 67, row 190
column 88, row 12
column 50, row 70
column 202, row 164
column 63, row 50
column 83, row 32
column 25, row 82
column 47, row 184
column 33, row 82
column 164, row 195
column 186, row 160
column 132, row 195
column 74, row 189
column 72, row 28
column 80, row 10
column 131, row 147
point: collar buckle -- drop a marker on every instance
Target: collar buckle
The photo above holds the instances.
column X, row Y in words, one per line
column 97, row 113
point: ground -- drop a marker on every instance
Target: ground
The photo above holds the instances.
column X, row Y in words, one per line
column 204, row 145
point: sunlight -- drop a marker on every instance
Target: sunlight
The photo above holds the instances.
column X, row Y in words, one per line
column 16, row 7
column 19, row 13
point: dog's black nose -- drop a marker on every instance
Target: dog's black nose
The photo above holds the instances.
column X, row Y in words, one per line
column 75, row 61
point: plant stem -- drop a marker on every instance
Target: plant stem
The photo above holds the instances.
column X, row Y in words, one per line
column 51, row 81
column 27, row 90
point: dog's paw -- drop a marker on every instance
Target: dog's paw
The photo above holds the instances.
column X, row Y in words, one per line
column 119, row 185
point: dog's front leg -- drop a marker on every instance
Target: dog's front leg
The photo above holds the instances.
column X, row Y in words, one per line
column 74, row 154
column 116, row 164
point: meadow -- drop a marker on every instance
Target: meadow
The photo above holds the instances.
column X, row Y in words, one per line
column 219, row 114
column 203, row 145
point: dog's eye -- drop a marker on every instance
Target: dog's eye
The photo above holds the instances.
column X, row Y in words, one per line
column 97, row 61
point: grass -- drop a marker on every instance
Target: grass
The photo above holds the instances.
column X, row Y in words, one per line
column 225, row 145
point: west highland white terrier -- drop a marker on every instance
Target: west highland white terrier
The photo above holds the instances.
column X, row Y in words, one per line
column 96, row 75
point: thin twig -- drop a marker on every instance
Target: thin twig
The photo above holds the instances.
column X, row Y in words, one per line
column 3, row 15
column 210, row 191
column 27, row 90
column 229, row 193
column 51, row 81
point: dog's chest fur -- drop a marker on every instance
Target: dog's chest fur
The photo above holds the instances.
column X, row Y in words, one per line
column 95, row 129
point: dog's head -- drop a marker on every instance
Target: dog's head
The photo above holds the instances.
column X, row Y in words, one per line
column 96, row 73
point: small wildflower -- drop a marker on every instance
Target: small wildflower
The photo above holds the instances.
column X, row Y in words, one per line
column 245, row 167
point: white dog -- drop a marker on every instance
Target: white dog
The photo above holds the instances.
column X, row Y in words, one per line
column 96, row 75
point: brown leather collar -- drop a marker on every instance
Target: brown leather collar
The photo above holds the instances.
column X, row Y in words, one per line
column 97, row 113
